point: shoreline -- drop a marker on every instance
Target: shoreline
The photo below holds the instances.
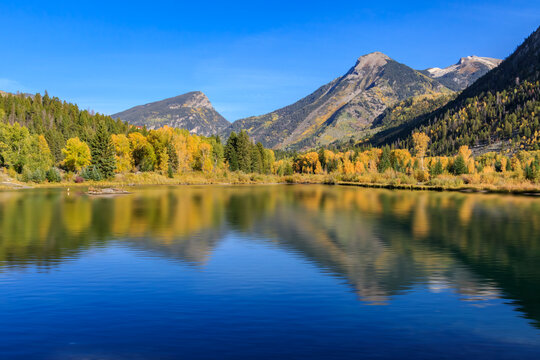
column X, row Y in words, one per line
column 250, row 180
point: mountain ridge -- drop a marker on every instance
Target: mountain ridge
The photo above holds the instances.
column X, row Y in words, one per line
column 497, row 108
column 192, row 111
column 341, row 107
column 466, row 71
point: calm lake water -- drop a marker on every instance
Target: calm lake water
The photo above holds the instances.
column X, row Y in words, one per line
column 269, row 272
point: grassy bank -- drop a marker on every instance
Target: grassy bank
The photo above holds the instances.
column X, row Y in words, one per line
column 493, row 183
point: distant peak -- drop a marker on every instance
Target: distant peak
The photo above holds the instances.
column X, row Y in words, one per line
column 193, row 94
column 370, row 61
column 468, row 63
column 194, row 99
column 470, row 58
column 491, row 62
column 373, row 55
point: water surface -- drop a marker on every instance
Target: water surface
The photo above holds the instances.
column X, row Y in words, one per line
column 269, row 272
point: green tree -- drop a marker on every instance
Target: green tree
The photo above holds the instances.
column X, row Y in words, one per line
column 230, row 152
column 257, row 158
column 173, row 159
column 384, row 162
column 436, row 169
column 243, row 152
column 103, row 152
column 459, row 167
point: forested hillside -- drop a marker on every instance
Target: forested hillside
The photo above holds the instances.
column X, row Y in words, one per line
column 505, row 120
column 39, row 136
column 498, row 112
column 55, row 119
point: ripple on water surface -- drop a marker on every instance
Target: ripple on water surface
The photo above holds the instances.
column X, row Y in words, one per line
column 269, row 271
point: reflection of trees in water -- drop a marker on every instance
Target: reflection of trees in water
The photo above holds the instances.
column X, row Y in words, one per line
column 382, row 242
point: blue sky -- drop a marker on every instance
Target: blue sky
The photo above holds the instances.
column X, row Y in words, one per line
column 249, row 58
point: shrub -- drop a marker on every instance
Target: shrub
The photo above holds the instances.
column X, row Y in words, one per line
column 330, row 179
column 349, row 177
column 421, row 175
column 91, row 173
column 79, row 179
column 37, row 175
column 446, row 181
column 256, row 177
column 289, row 179
column 11, row 173
column 53, row 175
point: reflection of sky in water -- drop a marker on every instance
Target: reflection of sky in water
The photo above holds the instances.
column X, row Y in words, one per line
column 280, row 267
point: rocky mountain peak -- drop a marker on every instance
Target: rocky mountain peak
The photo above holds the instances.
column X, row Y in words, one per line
column 192, row 111
column 194, row 99
column 371, row 60
column 467, row 70
column 341, row 108
column 367, row 64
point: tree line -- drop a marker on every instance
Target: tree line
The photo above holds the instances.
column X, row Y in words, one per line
column 97, row 147
column 42, row 137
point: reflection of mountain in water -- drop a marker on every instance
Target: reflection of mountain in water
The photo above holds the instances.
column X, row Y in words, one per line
column 382, row 242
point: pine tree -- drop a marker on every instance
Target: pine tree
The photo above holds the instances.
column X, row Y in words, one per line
column 172, row 158
column 459, row 167
column 256, row 158
column 243, row 151
column 103, row 152
column 384, row 163
column 436, row 169
column 230, row 152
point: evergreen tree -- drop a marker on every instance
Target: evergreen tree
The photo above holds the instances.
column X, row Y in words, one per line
column 256, row 159
column 103, row 152
column 459, row 167
column 230, row 152
column 508, row 165
column 384, row 163
column 243, row 152
column 322, row 159
column 172, row 158
column 436, row 169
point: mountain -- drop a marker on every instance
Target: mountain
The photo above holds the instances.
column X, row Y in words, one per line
column 497, row 112
column 459, row 76
column 192, row 111
column 342, row 108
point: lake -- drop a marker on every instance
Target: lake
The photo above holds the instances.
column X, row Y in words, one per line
column 269, row 272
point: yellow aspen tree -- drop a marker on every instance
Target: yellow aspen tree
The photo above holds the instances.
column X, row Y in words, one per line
column 122, row 147
column 77, row 154
column 359, row 167
column 465, row 152
column 421, row 141
column 348, row 166
column 318, row 168
column 205, row 158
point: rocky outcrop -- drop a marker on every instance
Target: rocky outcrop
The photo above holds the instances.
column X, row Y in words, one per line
column 192, row 111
